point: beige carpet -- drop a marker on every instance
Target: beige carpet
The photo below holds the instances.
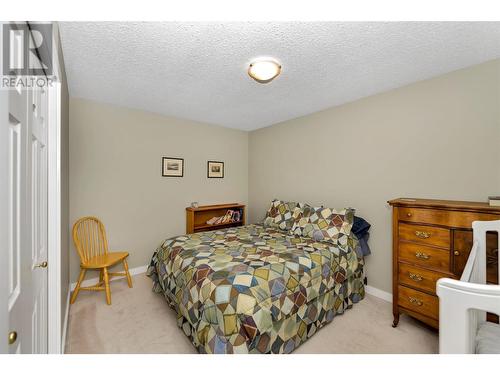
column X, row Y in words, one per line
column 140, row 321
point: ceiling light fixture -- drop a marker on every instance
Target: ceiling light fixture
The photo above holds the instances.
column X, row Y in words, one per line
column 264, row 70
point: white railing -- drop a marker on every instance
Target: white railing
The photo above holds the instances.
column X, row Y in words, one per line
column 463, row 303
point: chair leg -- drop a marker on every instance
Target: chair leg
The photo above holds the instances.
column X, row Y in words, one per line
column 106, row 285
column 129, row 279
column 83, row 271
column 101, row 277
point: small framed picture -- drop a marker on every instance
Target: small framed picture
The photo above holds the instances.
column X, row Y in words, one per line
column 215, row 169
column 172, row 167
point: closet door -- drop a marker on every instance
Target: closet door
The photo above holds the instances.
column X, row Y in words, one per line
column 26, row 219
column 39, row 218
column 19, row 225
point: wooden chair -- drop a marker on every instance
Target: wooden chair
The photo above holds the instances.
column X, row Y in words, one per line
column 91, row 244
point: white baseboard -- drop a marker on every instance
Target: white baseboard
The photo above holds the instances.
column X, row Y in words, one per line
column 378, row 293
column 93, row 281
column 65, row 325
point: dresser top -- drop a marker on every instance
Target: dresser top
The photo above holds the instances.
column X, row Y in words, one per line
column 444, row 204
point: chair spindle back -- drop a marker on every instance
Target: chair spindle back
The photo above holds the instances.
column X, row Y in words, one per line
column 89, row 236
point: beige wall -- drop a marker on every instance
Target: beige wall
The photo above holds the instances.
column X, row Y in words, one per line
column 115, row 173
column 438, row 138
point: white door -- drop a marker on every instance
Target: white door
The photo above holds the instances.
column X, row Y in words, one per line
column 38, row 121
column 19, row 249
column 27, row 221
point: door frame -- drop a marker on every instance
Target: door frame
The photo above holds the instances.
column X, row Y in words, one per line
column 4, row 209
column 54, row 320
column 55, row 339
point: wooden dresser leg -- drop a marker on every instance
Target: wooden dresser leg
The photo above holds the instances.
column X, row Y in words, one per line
column 395, row 322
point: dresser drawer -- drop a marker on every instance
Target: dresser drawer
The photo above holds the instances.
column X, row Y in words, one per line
column 425, row 235
column 419, row 302
column 419, row 277
column 424, row 256
column 449, row 218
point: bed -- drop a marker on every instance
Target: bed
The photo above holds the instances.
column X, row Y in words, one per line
column 256, row 289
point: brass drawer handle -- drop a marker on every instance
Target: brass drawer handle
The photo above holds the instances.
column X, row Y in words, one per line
column 415, row 301
column 408, row 214
column 415, row 277
column 456, row 253
column 420, row 255
column 421, row 234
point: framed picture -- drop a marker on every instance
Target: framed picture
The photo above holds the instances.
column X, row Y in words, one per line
column 215, row 169
column 172, row 167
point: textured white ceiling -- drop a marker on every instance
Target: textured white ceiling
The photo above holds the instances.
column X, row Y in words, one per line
column 197, row 71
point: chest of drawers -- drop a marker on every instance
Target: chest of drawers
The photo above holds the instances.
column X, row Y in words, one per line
column 432, row 239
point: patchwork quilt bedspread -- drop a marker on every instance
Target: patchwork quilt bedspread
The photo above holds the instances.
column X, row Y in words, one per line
column 254, row 289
